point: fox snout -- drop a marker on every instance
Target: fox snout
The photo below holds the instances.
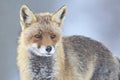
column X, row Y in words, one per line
column 48, row 48
column 42, row 50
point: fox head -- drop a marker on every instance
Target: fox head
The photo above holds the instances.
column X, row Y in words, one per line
column 41, row 32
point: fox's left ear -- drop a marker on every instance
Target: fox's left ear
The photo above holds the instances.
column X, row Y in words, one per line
column 59, row 15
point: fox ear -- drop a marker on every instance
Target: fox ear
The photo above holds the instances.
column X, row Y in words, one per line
column 26, row 16
column 59, row 15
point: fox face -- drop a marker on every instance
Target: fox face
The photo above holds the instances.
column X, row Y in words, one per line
column 41, row 32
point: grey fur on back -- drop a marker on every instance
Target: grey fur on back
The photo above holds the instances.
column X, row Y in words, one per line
column 88, row 51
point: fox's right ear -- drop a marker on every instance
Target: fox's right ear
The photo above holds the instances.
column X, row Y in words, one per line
column 26, row 16
column 59, row 15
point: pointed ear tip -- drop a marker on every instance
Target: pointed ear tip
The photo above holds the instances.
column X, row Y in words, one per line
column 24, row 7
column 64, row 7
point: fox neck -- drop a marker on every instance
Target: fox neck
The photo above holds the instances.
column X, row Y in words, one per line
column 60, row 61
column 41, row 68
column 48, row 68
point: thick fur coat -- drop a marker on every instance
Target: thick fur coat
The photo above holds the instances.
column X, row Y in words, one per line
column 44, row 54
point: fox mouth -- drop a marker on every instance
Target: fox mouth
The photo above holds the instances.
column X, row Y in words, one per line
column 42, row 51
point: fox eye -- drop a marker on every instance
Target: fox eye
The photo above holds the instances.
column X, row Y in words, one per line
column 39, row 36
column 53, row 36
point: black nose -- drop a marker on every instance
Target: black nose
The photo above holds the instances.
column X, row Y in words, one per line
column 49, row 48
column 38, row 46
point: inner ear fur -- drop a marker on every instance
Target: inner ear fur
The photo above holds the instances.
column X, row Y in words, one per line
column 26, row 16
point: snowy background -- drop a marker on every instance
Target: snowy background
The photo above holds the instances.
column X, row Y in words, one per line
column 98, row 19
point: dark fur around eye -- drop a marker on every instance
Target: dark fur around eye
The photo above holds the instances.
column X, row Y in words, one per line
column 38, row 36
column 53, row 36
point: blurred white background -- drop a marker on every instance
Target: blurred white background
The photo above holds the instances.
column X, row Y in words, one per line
column 98, row 19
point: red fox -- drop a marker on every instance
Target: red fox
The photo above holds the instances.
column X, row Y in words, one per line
column 44, row 54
